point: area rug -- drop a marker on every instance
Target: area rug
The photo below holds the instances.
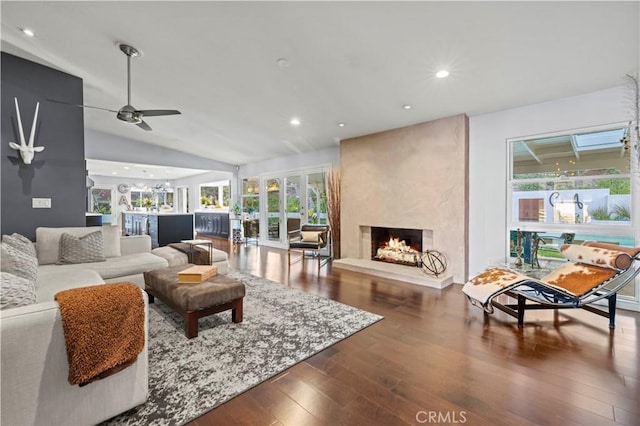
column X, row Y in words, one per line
column 281, row 327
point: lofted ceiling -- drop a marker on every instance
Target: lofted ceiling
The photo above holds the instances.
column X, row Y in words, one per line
column 138, row 171
column 240, row 71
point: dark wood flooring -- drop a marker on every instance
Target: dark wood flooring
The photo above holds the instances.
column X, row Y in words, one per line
column 434, row 360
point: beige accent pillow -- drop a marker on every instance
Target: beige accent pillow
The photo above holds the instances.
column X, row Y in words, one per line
column 85, row 249
column 48, row 241
column 310, row 236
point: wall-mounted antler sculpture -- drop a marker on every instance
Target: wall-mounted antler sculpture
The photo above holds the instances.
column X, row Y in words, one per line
column 27, row 150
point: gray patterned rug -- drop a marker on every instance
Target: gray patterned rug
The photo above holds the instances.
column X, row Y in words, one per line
column 281, row 327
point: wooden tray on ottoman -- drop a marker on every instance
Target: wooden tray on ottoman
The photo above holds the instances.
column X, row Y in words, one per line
column 194, row 301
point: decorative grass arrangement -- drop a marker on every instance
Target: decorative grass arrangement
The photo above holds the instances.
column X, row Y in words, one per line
column 600, row 213
column 621, row 212
column 333, row 208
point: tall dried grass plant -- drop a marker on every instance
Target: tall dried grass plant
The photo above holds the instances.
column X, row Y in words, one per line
column 333, row 208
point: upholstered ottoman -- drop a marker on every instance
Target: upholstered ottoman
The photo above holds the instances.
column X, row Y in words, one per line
column 194, row 301
column 175, row 257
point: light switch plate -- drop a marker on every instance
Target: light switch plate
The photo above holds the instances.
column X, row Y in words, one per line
column 41, row 203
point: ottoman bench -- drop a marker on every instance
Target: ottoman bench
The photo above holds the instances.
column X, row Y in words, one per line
column 194, row 301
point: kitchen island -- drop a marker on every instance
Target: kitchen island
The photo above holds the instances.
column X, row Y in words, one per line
column 163, row 228
column 212, row 224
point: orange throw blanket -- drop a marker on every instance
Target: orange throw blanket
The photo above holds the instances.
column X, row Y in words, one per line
column 103, row 329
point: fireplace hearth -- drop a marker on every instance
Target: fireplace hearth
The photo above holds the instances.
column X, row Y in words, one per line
column 396, row 245
column 421, row 241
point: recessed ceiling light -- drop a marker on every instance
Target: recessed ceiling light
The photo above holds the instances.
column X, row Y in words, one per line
column 126, row 167
column 341, row 124
column 442, row 74
column 407, row 106
column 27, row 32
column 114, row 173
column 295, row 122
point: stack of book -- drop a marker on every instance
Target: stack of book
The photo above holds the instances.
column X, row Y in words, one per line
column 197, row 274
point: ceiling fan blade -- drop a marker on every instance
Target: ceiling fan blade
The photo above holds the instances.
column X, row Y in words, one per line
column 81, row 106
column 144, row 126
column 157, row 112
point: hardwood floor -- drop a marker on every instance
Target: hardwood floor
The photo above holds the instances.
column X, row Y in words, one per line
column 434, row 360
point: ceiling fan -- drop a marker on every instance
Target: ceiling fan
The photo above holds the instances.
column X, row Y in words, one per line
column 128, row 113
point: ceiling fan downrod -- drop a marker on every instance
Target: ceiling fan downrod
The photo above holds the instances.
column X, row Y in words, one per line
column 130, row 51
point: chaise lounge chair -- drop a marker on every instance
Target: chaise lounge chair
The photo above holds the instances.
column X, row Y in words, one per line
column 595, row 271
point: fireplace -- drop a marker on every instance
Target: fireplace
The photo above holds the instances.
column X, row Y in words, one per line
column 369, row 242
column 396, row 245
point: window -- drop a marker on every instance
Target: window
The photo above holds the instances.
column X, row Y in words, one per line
column 142, row 197
column 215, row 194
column 580, row 178
column 101, row 200
column 567, row 189
column 251, row 196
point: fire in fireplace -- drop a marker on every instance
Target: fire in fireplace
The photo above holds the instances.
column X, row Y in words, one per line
column 396, row 245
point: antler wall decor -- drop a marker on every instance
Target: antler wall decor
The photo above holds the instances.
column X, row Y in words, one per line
column 27, row 150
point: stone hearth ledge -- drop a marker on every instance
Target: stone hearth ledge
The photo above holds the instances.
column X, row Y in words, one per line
column 393, row 272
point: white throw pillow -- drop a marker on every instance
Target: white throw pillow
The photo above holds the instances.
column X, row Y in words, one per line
column 310, row 236
column 48, row 241
column 16, row 291
column 18, row 263
column 20, row 242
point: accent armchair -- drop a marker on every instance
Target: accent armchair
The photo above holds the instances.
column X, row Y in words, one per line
column 313, row 238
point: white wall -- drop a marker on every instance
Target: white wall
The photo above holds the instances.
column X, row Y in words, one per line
column 488, row 136
column 292, row 162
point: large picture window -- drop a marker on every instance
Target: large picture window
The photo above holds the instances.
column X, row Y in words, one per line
column 580, row 178
column 566, row 189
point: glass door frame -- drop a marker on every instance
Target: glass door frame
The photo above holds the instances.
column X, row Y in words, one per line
column 300, row 174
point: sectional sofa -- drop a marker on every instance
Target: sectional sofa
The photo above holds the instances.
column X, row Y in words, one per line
column 34, row 368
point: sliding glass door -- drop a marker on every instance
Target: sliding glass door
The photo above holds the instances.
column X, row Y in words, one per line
column 292, row 199
column 273, row 211
column 316, row 198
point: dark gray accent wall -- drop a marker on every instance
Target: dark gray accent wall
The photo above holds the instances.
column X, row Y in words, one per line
column 59, row 171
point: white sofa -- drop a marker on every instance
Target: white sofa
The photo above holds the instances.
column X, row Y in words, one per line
column 127, row 258
column 33, row 364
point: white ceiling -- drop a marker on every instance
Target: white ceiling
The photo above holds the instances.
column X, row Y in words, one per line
column 351, row 62
column 138, row 171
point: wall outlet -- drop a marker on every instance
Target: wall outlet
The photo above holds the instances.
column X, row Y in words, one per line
column 41, row 203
